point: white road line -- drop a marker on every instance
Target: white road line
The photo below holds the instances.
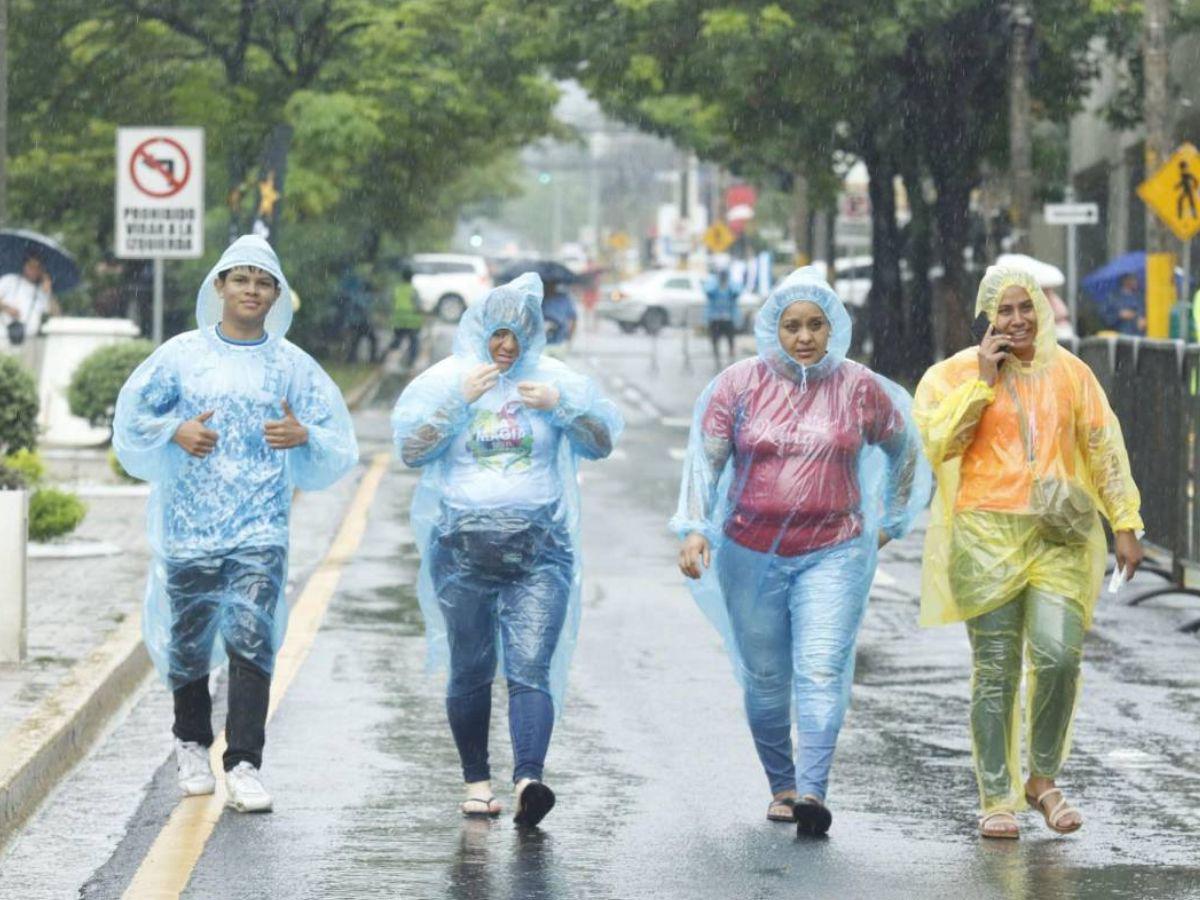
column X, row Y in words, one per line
column 883, row 579
column 675, row 422
column 632, row 395
column 679, row 454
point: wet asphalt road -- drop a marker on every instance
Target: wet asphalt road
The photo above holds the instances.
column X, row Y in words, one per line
column 660, row 791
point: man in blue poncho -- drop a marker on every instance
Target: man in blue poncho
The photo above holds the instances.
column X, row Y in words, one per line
column 225, row 421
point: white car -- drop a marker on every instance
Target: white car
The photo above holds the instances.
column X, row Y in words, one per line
column 661, row 297
column 852, row 279
column 447, row 283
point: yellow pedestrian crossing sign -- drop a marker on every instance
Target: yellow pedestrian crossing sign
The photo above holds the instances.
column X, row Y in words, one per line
column 718, row 237
column 1173, row 192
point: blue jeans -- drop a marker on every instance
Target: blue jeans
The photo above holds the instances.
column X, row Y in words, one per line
column 503, row 581
column 795, row 621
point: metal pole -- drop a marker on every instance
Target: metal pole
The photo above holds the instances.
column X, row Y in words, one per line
column 158, row 301
column 1072, row 277
column 1186, row 294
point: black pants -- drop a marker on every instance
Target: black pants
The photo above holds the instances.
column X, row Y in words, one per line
column 413, row 338
column 721, row 328
column 245, row 722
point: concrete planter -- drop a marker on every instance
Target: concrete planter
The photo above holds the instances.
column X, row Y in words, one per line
column 14, row 531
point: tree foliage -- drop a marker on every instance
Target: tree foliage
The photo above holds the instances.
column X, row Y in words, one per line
column 392, row 109
column 777, row 88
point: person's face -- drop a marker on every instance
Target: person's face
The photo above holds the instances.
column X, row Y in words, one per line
column 504, row 348
column 33, row 270
column 804, row 333
column 248, row 295
column 1129, row 284
column 1016, row 318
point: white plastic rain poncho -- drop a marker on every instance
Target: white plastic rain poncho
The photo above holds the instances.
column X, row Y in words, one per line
column 218, row 525
column 984, row 545
column 497, row 508
column 791, row 473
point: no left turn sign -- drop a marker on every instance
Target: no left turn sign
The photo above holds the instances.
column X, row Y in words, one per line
column 160, row 167
column 160, row 193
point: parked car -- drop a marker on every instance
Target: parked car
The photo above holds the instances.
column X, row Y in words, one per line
column 447, row 283
column 661, row 297
column 852, row 279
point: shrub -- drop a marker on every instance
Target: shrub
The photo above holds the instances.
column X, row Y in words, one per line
column 28, row 464
column 96, row 383
column 18, row 407
column 53, row 513
column 11, row 479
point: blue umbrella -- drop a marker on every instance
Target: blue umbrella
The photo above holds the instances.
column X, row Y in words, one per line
column 547, row 269
column 1104, row 280
column 15, row 243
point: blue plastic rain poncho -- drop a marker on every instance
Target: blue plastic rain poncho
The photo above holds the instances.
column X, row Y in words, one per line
column 792, row 473
column 218, row 525
column 496, row 514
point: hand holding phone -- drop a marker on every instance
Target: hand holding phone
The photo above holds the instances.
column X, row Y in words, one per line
column 993, row 348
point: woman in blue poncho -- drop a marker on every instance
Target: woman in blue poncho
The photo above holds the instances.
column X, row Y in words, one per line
column 225, row 422
column 801, row 464
column 498, row 430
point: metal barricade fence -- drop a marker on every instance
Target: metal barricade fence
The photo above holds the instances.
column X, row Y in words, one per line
column 1152, row 388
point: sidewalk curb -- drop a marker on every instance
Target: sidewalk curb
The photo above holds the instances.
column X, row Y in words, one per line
column 40, row 750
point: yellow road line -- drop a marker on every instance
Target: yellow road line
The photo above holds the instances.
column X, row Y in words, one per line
column 169, row 864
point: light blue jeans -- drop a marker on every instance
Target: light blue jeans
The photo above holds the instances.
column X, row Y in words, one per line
column 795, row 621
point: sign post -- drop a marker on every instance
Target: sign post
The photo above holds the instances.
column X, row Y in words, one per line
column 160, row 200
column 1072, row 215
column 1173, row 193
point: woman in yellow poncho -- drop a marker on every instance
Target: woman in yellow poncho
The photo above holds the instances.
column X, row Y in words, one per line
column 1026, row 450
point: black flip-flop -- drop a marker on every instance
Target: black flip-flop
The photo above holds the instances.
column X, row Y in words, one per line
column 489, row 814
column 813, row 818
column 535, row 802
column 790, row 803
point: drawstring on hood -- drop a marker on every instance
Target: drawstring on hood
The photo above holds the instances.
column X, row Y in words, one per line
column 804, row 284
column 248, row 250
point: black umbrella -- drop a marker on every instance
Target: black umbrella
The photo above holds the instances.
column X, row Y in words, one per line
column 548, row 269
column 60, row 265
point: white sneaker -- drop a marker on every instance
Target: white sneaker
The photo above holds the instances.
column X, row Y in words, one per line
column 245, row 790
column 192, row 765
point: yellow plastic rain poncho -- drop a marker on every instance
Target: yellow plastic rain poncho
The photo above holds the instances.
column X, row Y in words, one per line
column 985, row 543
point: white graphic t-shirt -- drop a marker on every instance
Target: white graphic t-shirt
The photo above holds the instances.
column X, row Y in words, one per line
column 505, row 456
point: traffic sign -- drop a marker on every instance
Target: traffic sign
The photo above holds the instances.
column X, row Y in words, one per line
column 1071, row 213
column 160, row 193
column 718, row 237
column 1173, row 192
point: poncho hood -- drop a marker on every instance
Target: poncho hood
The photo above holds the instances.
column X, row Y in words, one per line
column 516, row 306
column 248, row 250
column 997, row 280
column 805, row 284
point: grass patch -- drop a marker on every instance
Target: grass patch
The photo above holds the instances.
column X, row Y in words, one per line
column 347, row 376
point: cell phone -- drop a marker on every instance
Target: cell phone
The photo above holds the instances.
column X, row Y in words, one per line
column 979, row 329
column 980, row 326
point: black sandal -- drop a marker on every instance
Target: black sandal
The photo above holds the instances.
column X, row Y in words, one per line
column 789, row 802
column 533, row 804
column 813, row 817
column 489, row 813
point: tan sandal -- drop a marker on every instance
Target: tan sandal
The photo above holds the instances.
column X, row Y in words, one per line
column 987, row 822
column 1055, row 815
column 786, row 807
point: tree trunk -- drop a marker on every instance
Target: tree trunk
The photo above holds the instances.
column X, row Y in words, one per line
column 919, row 251
column 885, row 300
column 1020, row 142
column 3, row 112
column 801, row 213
